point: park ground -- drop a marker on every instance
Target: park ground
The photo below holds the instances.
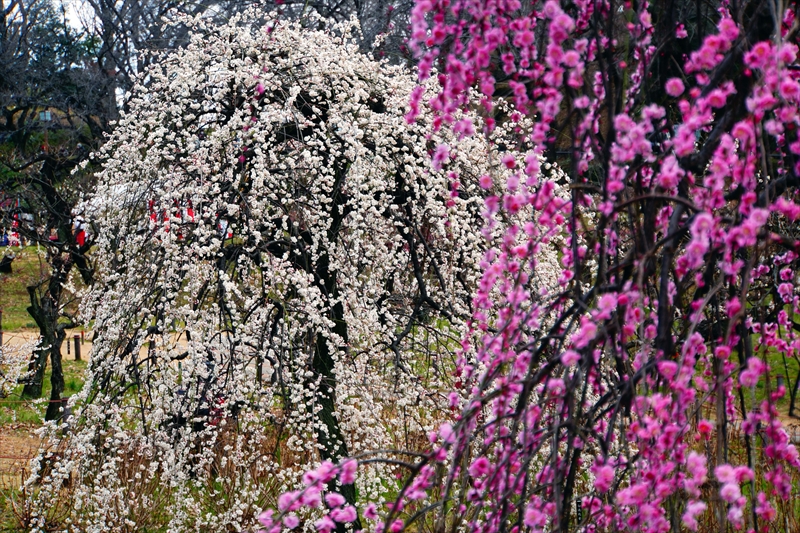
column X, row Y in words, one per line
column 20, row 418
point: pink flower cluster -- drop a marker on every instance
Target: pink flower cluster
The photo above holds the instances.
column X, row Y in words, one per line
column 612, row 384
column 338, row 511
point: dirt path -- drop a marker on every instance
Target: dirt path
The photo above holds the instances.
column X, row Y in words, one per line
column 22, row 336
column 18, row 445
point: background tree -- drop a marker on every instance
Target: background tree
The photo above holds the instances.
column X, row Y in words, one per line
column 128, row 35
column 49, row 122
column 383, row 24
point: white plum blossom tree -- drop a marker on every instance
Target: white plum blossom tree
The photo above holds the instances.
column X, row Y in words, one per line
column 283, row 278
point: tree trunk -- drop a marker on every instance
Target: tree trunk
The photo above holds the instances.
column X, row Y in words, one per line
column 56, row 378
column 44, row 309
column 329, row 434
column 331, row 439
column 37, row 366
column 40, row 309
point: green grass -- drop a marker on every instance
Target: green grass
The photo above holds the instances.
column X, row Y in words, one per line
column 15, row 410
column 776, row 363
column 28, row 269
column 8, row 494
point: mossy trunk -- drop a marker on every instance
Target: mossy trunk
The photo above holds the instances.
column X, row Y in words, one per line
column 329, row 434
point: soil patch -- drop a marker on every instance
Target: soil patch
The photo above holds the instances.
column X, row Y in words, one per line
column 18, row 445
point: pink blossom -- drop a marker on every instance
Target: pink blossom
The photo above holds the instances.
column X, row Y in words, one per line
column 696, row 466
column 736, row 516
column 717, row 98
column 347, row 473
column 446, row 433
column 790, row 89
column 571, row 58
column 570, row 357
column 266, row 518
column 787, row 54
column 291, row 521
column 370, row 512
column 311, row 497
column 759, row 55
column 755, row 368
column 684, row 140
column 534, row 518
column 674, row 87
column 555, row 386
column 509, row 161
column 523, row 38
column 668, row 369
column 730, row 492
column 464, row 127
column 764, row 509
column 512, row 183
column 604, row 477
column 513, row 203
column 705, row 427
column 786, row 290
column 334, row 499
column 479, row 467
column 733, row 306
column 441, row 156
column 492, row 204
column 551, row 9
column 414, row 101
column 728, row 29
column 634, row 495
column 326, row 471
column 693, row 510
column 325, row 524
column 743, row 473
column 586, row 334
column 289, row 501
column 606, row 305
column 344, row 514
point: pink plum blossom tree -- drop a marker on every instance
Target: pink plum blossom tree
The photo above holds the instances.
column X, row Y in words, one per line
column 640, row 394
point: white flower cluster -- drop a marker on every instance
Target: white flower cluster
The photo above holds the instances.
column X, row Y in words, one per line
column 14, row 360
column 283, row 276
